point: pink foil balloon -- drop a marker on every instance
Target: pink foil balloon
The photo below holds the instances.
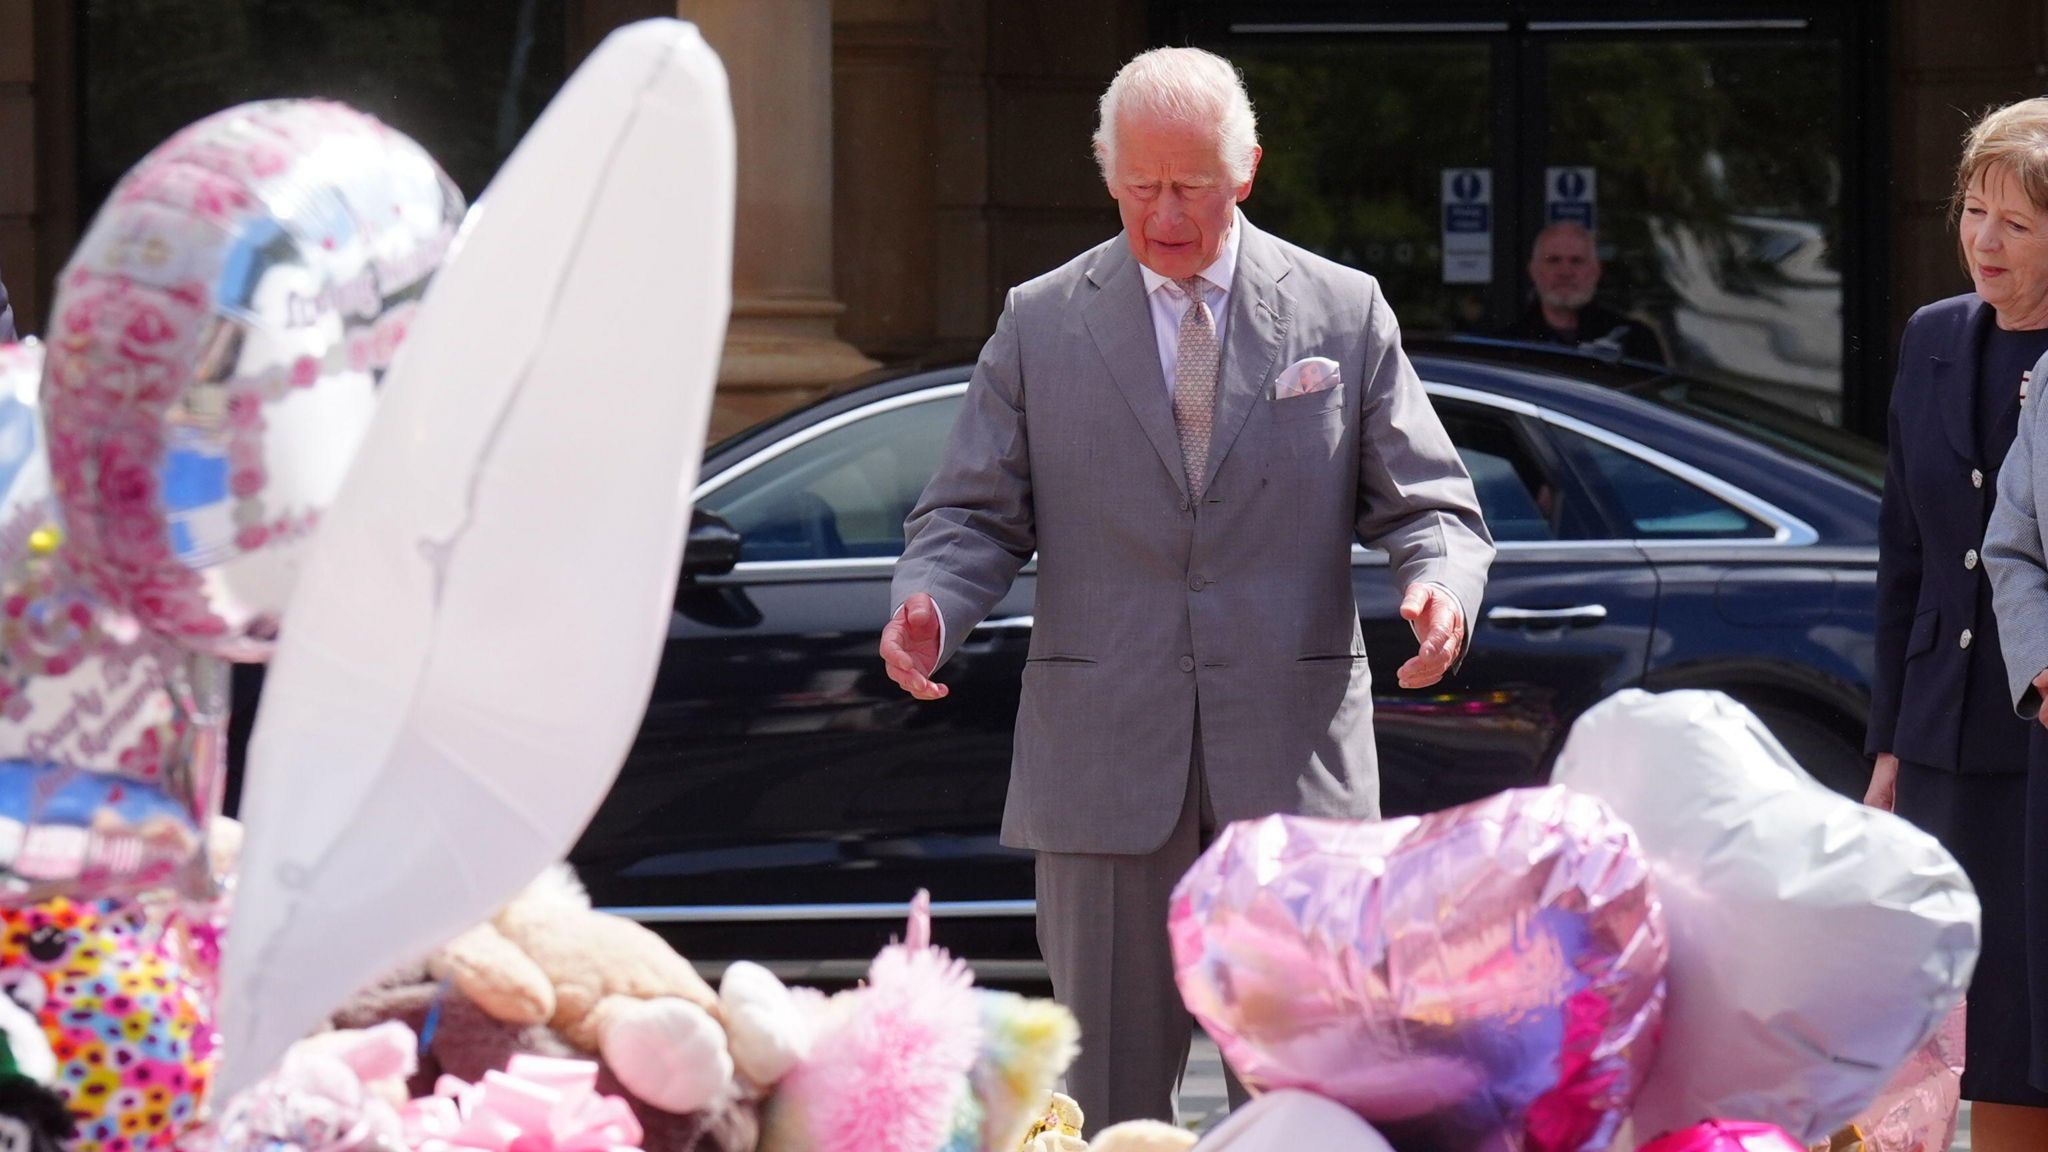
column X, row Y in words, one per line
column 1490, row 977
column 111, row 738
column 1726, row 1136
column 1916, row 1111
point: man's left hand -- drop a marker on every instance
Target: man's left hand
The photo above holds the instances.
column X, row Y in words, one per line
column 2041, row 686
column 1439, row 629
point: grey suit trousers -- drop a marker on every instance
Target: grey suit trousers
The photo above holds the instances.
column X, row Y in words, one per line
column 1102, row 930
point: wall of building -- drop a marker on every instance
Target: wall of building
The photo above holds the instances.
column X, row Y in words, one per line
column 1949, row 63
column 37, row 150
column 961, row 158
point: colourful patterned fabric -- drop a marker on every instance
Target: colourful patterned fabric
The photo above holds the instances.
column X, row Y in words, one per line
column 131, row 1032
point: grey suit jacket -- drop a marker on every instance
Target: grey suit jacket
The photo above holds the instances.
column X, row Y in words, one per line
column 1151, row 610
column 2014, row 553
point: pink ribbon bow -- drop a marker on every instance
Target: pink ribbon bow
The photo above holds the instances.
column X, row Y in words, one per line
column 536, row 1105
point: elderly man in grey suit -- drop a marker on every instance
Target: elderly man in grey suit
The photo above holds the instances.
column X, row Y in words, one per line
column 1189, row 425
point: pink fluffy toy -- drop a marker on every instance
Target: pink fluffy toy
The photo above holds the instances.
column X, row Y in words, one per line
column 892, row 1066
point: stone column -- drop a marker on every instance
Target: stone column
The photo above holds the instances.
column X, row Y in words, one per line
column 781, row 347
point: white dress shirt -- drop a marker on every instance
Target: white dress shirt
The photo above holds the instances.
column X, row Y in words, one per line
column 1169, row 306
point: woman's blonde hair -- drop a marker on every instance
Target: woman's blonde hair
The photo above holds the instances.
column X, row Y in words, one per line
column 2014, row 137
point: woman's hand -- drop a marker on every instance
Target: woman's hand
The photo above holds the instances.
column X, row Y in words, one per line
column 1884, row 782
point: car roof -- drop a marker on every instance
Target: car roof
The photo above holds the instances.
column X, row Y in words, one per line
column 1596, row 389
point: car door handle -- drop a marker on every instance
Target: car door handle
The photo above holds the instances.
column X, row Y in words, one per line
column 1574, row 617
column 1006, row 624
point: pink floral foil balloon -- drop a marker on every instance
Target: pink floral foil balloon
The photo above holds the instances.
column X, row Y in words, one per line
column 110, row 736
column 215, row 352
column 1491, row 977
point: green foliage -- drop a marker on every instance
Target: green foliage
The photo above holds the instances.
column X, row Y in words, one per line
column 441, row 71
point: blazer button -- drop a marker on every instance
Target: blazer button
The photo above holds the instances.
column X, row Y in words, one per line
column 1195, row 583
column 1187, row 663
column 1970, row 559
column 1963, row 641
column 1183, row 504
column 1976, row 478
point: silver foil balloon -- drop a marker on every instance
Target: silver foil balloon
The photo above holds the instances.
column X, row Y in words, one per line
column 215, row 352
column 111, row 738
column 1491, row 977
column 1816, row 942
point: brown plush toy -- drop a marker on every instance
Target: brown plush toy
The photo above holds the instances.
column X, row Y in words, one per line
column 607, row 985
column 458, row 1038
column 551, row 976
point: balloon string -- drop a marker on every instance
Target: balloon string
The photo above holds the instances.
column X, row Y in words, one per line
column 432, row 1023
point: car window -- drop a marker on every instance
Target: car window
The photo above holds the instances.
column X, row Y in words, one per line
column 1653, row 503
column 1841, row 452
column 1519, row 497
column 843, row 494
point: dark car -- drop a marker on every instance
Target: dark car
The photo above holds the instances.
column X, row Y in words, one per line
column 784, row 798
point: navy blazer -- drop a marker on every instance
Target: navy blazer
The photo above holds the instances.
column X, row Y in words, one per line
column 1931, row 579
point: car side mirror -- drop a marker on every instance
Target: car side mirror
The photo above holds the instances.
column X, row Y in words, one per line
column 712, row 547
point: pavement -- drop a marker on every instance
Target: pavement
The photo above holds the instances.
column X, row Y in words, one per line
column 1202, row 1100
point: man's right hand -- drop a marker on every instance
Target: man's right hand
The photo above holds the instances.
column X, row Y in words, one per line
column 1884, row 782
column 910, row 647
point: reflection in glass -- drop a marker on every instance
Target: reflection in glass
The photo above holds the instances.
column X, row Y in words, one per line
column 843, row 495
column 1356, row 136
column 1720, row 201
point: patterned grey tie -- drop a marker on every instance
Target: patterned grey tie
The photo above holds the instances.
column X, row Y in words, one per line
column 1194, row 382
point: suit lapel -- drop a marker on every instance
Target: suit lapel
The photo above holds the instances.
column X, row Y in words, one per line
column 1120, row 320
column 1259, row 314
column 1955, row 385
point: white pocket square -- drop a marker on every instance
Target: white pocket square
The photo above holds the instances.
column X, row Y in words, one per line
column 1315, row 374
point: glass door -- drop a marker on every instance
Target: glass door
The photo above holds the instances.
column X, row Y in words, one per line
column 1719, row 197
column 1359, row 133
column 1720, row 153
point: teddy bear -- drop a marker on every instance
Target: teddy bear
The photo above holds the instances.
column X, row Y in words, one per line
column 608, row 986
column 550, row 976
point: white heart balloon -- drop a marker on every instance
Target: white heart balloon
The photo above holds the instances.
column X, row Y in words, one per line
column 1815, row 942
column 467, row 658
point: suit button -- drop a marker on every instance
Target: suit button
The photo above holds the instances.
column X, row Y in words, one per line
column 1195, row 583
column 1976, row 478
column 1970, row 559
column 1963, row 641
column 1187, row 663
column 1183, row 504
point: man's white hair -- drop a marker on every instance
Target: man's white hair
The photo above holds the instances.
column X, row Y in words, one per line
column 1181, row 85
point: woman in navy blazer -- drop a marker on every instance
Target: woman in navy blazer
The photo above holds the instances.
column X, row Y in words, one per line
column 1951, row 755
